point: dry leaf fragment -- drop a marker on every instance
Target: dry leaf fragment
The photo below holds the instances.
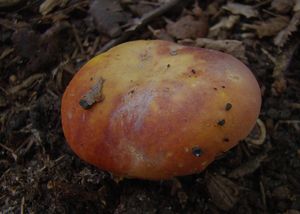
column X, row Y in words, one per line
column 248, row 167
column 41, row 50
column 223, row 192
column 296, row 6
column 6, row 52
column 25, row 41
column 282, row 6
column 93, row 96
column 292, row 212
column 269, row 27
column 48, row 5
column 233, row 47
column 226, row 23
column 188, row 27
column 160, row 34
column 141, row 8
column 282, row 63
column 284, row 34
column 282, row 193
column 107, row 16
column 241, row 9
column 9, row 3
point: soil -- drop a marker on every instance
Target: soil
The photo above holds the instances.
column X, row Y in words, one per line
column 44, row 43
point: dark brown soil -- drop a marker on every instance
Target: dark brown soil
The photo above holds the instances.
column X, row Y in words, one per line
column 41, row 48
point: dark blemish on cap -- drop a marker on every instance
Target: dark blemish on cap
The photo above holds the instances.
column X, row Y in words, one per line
column 193, row 71
column 226, row 139
column 131, row 91
column 197, row 151
column 221, row 122
column 215, row 89
column 223, row 86
column 91, row 78
column 84, row 104
column 228, row 106
column 168, row 65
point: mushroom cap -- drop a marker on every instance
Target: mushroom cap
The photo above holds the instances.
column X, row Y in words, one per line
column 160, row 109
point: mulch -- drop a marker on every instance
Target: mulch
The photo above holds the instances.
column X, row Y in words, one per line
column 43, row 43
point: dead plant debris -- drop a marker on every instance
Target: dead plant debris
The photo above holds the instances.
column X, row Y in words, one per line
column 44, row 43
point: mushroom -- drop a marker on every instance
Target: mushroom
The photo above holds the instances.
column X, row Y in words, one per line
column 155, row 109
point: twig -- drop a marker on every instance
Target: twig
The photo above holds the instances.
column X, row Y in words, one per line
column 284, row 60
column 263, row 194
column 149, row 3
column 4, row 173
column 116, row 41
column 26, row 83
column 267, row 53
column 248, row 167
column 75, row 32
column 95, row 45
column 12, row 25
column 295, row 123
column 22, row 205
column 260, row 4
column 82, row 3
column 13, row 154
column 294, row 105
column 138, row 23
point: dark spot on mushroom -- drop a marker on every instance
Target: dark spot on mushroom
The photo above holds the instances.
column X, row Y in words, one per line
column 215, row 89
column 131, row 91
column 84, row 104
column 221, row 122
column 226, row 139
column 168, row 65
column 197, row 151
column 228, row 106
column 223, row 86
column 91, row 78
column 193, row 71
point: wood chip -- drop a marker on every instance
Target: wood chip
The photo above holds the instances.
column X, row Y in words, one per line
column 283, row 35
column 226, row 23
column 48, row 5
column 93, row 96
column 282, row 6
column 296, row 6
column 269, row 27
column 26, row 83
column 241, row 9
column 107, row 16
column 9, row 3
column 223, row 192
column 248, row 167
column 6, row 52
column 233, row 47
column 188, row 27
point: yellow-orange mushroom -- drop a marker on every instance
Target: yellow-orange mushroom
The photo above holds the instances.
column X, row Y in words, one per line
column 155, row 109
